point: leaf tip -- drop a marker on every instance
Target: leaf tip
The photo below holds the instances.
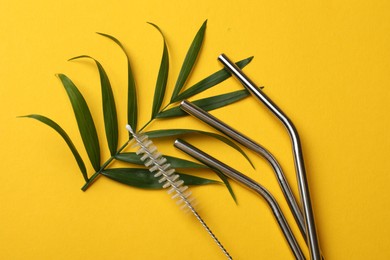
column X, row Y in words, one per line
column 102, row 34
column 155, row 26
column 110, row 37
column 253, row 166
column 80, row 57
column 61, row 76
column 204, row 26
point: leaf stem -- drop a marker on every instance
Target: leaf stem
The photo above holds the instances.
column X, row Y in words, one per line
column 96, row 174
column 103, row 167
column 142, row 128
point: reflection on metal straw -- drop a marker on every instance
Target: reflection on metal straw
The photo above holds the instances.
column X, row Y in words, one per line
column 206, row 117
column 249, row 183
column 312, row 238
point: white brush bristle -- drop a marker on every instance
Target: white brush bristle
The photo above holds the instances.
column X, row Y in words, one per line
column 155, row 162
column 158, row 165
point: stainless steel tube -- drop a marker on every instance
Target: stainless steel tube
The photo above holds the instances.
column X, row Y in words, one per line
column 248, row 183
column 209, row 119
column 297, row 153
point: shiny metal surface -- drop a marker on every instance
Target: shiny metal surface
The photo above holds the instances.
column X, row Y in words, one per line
column 312, row 237
column 260, row 150
column 248, row 183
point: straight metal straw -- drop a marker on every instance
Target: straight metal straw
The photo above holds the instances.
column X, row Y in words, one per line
column 312, row 238
column 209, row 119
column 248, row 183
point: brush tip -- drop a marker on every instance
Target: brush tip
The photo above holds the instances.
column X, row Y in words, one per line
column 128, row 127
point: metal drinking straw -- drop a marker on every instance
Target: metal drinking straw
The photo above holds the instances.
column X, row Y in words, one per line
column 211, row 120
column 312, row 238
column 248, row 183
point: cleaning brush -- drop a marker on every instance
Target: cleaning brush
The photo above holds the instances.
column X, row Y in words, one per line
column 158, row 165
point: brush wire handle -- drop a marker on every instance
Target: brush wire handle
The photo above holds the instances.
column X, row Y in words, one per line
column 158, row 165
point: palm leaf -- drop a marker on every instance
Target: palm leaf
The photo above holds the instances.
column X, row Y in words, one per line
column 210, row 81
column 66, row 138
column 179, row 132
column 175, row 162
column 84, row 121
column 189, row 61
column 109, row 110
column 208, row 104
column 162, row 78
column 132, row 107
column 142, row 178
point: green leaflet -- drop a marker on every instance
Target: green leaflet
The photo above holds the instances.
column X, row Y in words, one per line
column 189, row 61
column 66, row 138
column 180, row 132
column 208, row 104
column 162, row 78
column 142, row 178
column 109, row 110
column 226, row 182
column 84, row 121
column 194, row 180
column 132, row 107
column 175, row 162
column 210, row 81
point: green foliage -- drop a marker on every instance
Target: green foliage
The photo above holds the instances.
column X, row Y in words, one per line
column 84, row 121
column 162, row 78
column 132, row 104
column 109, row 110
column 66, row 138
column 141, row 177
column 210, row 81
column 180, row 132
column 189, row 61
column 208, row 104
column 176, row 163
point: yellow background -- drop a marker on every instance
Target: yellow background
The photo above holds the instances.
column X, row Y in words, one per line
column 326, row 63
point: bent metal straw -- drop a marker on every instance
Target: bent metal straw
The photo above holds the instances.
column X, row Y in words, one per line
column 312, row 238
